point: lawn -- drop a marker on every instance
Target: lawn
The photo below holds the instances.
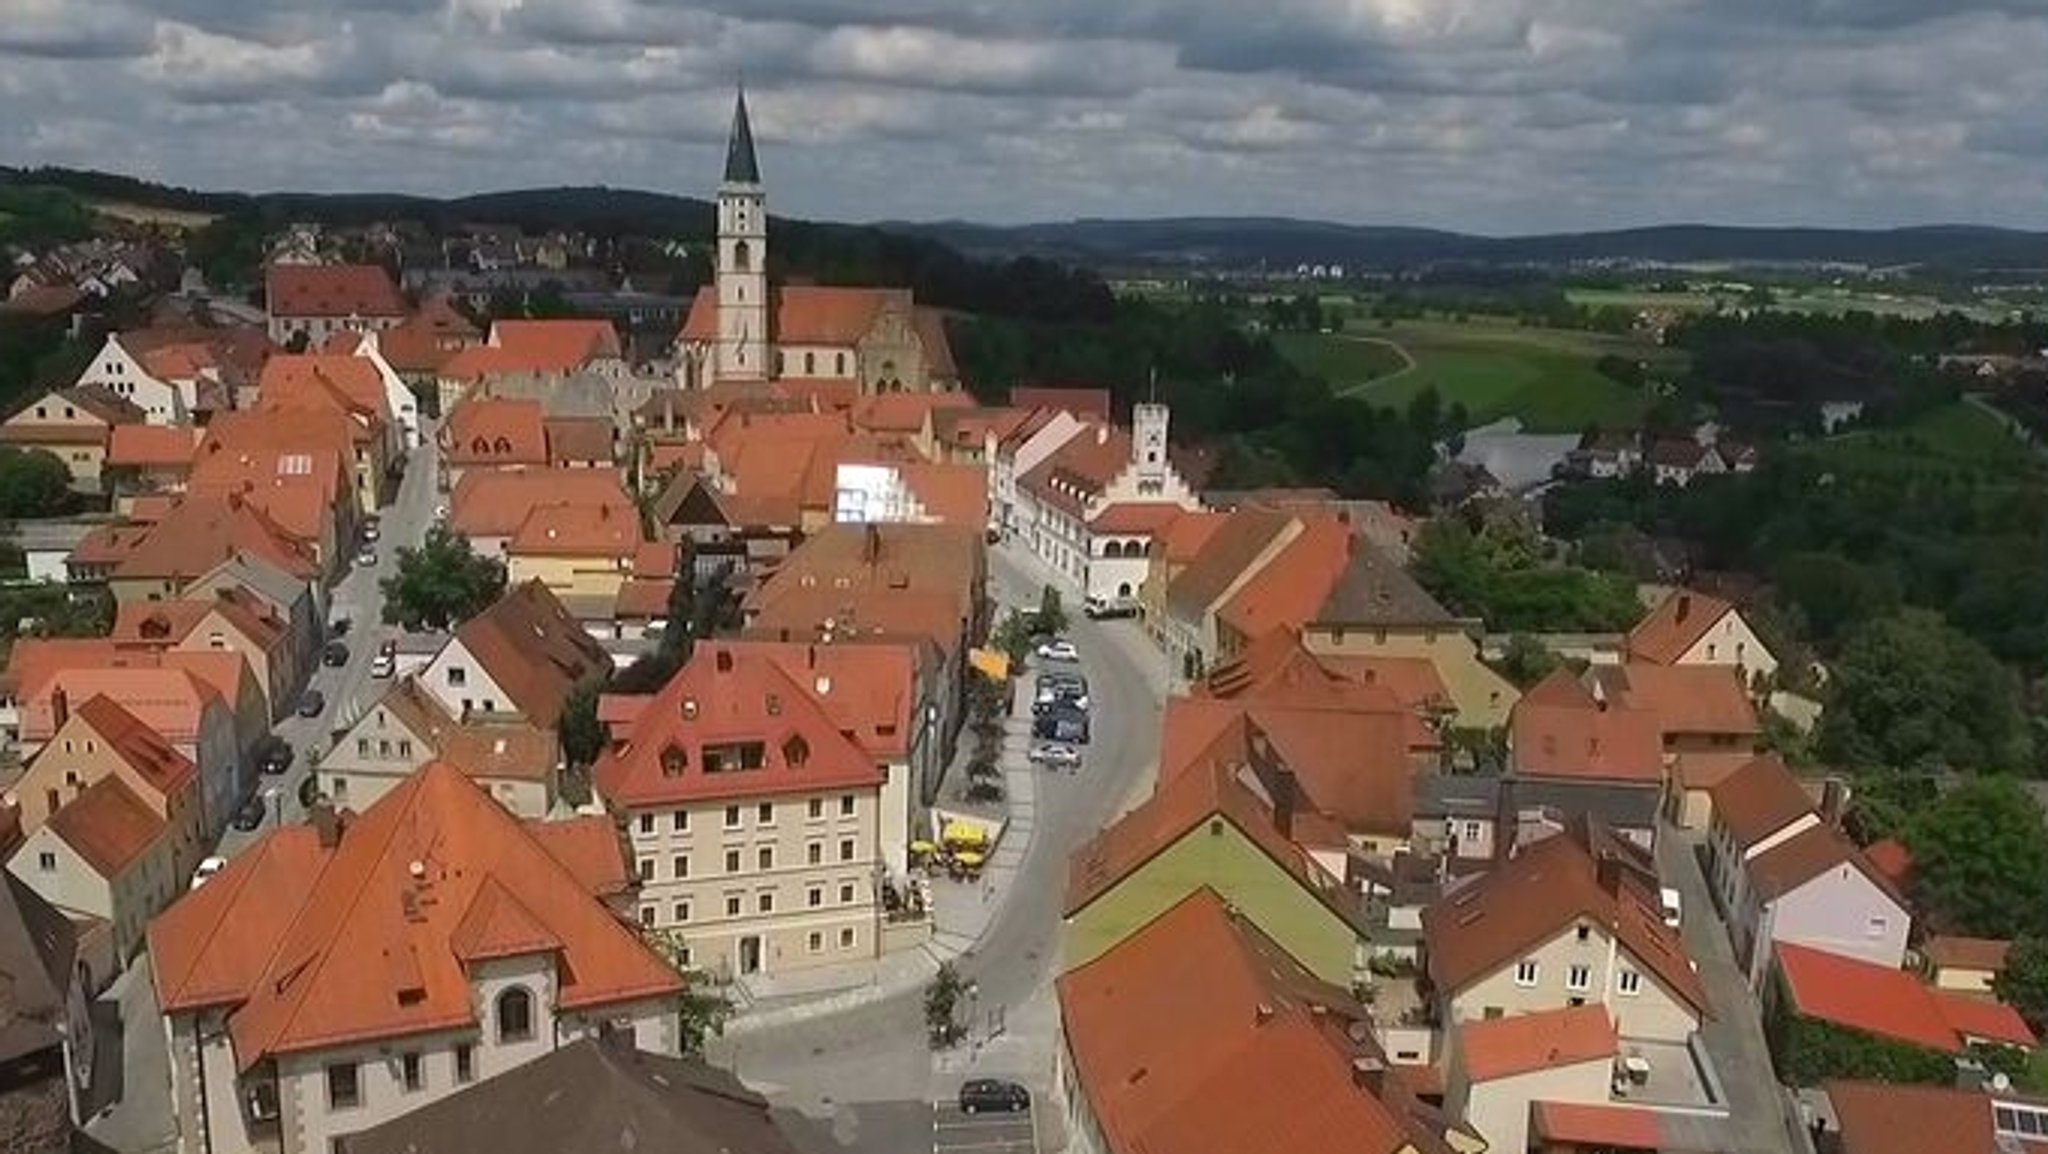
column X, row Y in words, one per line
column 1958, row 435
column 1639, row 299
column 1542, row 377
column 1344, row 361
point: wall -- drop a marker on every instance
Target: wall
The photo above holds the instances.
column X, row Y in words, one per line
column 1483, row 698
column 592, row 576
column 1652, row 1014
column 1963, row 980
column 1732, row 642
column 1499, row 1109
column 124, row 376
column 476, row 692
column 1239, row 871
column 1118, row 576
column 1838, row 912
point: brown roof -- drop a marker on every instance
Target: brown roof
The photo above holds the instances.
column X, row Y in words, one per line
column 1187, row 535
column 202, row 530
column 578, row 439
column 859, row 565
column 1230, row 550
column 728, row 694
column 108, row 825
column 1286, row 591
column 147, row 446
column 153, row 759
column 904, row 412
column 1079, row 470
column 38, row 953
column 806, row 314
column 104, row 404
column 351, row 384
column 1199, row 1035
column 1807, row 855
column 1675, row 626
column 591, row 1094
column 311, row 947
column 1136, row 518
column 1525, row 1043
column 1687, row 699
column 1759, row 799
column 869, row 689
column 495, row 431
column 1076, row 400
column 1951, row 953
column 644, row 598
column 533, row 649
column 1558, row 730
column 1539, row 894
column 607, row 531
column 496, row 502
column 1901, row 1118
column 331, row 290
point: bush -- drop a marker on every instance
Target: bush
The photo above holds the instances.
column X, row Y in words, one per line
column 1807, row 1053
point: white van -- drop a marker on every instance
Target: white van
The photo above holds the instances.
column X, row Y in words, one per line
column 207, row 869
column 1673, row 909
column 1100, row 608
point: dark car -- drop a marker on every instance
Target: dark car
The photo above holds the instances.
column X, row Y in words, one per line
column 275, row 756
column 340, row 626
column 980, row 1094
column 251, row 814
column 313, row 704
column 1062, row 724
column 335, row 654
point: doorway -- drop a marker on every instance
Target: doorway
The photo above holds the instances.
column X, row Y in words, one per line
column 750, row 955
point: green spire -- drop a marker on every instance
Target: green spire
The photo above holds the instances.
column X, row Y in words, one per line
column 740, row 165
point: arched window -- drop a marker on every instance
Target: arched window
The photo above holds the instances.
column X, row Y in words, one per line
column 1123, row 589
column 742, row 256
column 515, row 1015
column 502, row 445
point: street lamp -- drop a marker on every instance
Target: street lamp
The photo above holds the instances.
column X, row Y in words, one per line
column 274, row 800
column 973, row 992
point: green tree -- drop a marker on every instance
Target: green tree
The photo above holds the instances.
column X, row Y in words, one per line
column 1980, row 859
column 1909, row 691
column 1012, row 635
column 441, row 583
column 1051, row 616
column 941, row 1000
column 2023, row 984
column 1525, row 660
column 33, row 483
column 706, row 1007
column 582, row 734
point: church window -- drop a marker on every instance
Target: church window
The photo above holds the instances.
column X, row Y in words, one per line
column 742, row 255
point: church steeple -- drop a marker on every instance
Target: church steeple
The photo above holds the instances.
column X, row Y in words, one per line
column 740, row 165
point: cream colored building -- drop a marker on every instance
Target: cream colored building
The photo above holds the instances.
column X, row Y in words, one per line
column 519, row 765
column 1572, row 968
column 1483, row 699
column 1498, row 1069
column 104, row 856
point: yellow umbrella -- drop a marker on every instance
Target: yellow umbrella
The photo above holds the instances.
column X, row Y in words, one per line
column 968, row 858
column 960, row 831
column 923, row 846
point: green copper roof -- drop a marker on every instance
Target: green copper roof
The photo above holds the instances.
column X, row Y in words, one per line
column 740, row 165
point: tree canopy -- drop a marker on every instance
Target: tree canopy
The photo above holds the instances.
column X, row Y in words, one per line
column 1500, row 575
column 1907, row 691
column 441, row 583
column 1980, row 859
column 33, row 483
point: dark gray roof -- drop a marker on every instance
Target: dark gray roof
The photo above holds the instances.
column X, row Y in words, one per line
column 1616, row 806
column 1375, row 590
column 589, row 1095
column 741, row 167
column 1456, row 795
column 37, row 948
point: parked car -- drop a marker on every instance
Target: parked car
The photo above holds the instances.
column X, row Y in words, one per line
column 1674, row 907
column 383, row 665
column 367, row 558
column 1055, row 755
column 275, row 755
column 207, row 869
column 313, row 704
column 371, row 531
column 1061, row 724
column 1104, row 608
column 335, row 654
column 249, row 817
column 340, row 626
column 979, row 1094
column 1059, row 649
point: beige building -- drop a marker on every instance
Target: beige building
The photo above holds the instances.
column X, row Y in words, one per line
column 101, row 740
column 103, row 856
column 1498, row 1069
column 1689, row 628
column 340, row 974
column 518, row 764
column 74, row 426
column 754, row 822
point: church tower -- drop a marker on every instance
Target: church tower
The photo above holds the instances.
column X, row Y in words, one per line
column 744, row 342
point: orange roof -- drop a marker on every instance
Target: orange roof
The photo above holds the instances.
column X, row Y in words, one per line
column 1598, row 1126
column 533, row 650
column 857, row 575
column 1863, row 996
column 728, row 696
column 496, row 431
column 566, row 342
column 108, row 826
column 1675, row 626
column 1526, row 1043
column 835, row 615
column 331, row 290
column 1554, row 734
column 868, row 689
column 643, row 598
column 152, row 446
column 1078, row 471
column 1288, row 590
column 1231, row 549
column 1077, row 400
column 297, row 492
column 1187, row 534
column 1950, row 953
column 1198, row 1035
column 1900, row 1118
column 589, row 848
column 169, row 701
column 904, row 412
column 311, row 947
column 152, row 758
column 1414, row 680
column 1541, row 893
column 1891, row 858
column 1759, row 799
column 1136, row 518
column 953, row 494
column 579, row 439
column 496, row 502
column 426, row 340
column 607, row 531
column 1980, row 1019
column 806, row 314
column 201, row 530
column 351, row 382
column 1687, row 699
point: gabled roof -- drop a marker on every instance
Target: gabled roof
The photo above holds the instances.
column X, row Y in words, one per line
column 1373, row 589
column 496, row 431
column 1807, row 855
column 145, row 751
column 1079, row 470
column 1541, row 893
column 314, row 946
column 1901, row 1118
column 1199, row 1035
column 1686, row 699
column 1889, row 1003
column 1955, row 953
column 1230, row 550
column 350, row 382
column 1135, row 518
column 1675, row 626
column 606, row 531
column 578, row 439
column 496, row 502
column 1759, row 799
column 108, row 825
column 868, row 688
column 38, row 953
column 152, row 446
column 592, row 1094
column 1558, row 730
column 565, row 342
column 533, row 649
column 1286, row 592
column 1525, row 1043
column 1184, row 538
column 730, row 703
column 331, row 290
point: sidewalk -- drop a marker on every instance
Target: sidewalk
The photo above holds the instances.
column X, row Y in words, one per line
column 962, row 913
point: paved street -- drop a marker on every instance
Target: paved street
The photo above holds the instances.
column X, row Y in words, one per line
column 956, row 1133
column 855, row 1068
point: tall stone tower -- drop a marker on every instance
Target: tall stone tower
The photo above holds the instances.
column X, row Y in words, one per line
column 744, row 339
column 1148, row 446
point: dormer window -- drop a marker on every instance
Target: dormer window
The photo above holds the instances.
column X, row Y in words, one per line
column 673, row 759
column 796, row 751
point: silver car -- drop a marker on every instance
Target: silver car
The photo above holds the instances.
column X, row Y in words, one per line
column 1055, row 755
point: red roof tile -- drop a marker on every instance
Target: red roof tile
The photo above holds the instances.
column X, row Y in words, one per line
column 1891, row 858
column 1687, row 699
column 1078, row 471
column 152, row 758
column 331, row 290
column 1077, row 400
column 1526, row 1043
column 1136, row 518
column 1976, row 1018
column 1597, row 1126
column 1859, row 995
column 867, row 688
column 1288, row 590
column 496, row 502
column 807, row 314
column 1900, row 1118
column 1675, row 626
column 1759, row 799
column 1583, row 740
column 108, row 825
column 152, row 446
column 533, row 649
column 495, row 431
column 607, row 531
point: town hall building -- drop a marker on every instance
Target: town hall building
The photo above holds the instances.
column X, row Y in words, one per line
column 743, row 330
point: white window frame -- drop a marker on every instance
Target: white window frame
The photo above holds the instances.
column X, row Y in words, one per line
column 1578, row 977
column 1527, row 973
column 1628, row 983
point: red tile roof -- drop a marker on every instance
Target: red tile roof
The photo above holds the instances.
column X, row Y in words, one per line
column 729, row 696
column 577, row 439
column 1136, row 518
column 1287, row 592
column 904, row 412
column 1558, row 730
column 1598, row 1126
column 607, row 531
column 1862, row 996
column 565, row 343
column 1198, row 1035
column 351, row 383
column 202, row 530
column 1891, row 858
column 807, row 314
column 1900, row 1118
column 1077, row 400
column 950, row 494
column 108, row 825
column 1184, row 538
column 1807, row 855
column 1539, row 894
column 1231, row 548
column 1526, row 1043
column 331, row 290
column 1759, row 799
column 867, row 688
column 1675, row 626
column 496, row 502
column 152, row 446
column 495, row 431
column 533, row 649
column 313, row 947
column 1976, row 1018
column 1078, row 471
column 1687, row 699
column 152, row 758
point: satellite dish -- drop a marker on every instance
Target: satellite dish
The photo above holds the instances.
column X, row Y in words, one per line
column 2000, row 1083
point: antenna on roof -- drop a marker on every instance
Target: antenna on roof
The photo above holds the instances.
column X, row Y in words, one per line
column 1152, row 384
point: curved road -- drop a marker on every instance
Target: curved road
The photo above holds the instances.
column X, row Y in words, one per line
column 867, row 1070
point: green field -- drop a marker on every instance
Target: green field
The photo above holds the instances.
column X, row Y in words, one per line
column 1344, row 361
column 1959, row 435
column 1639, row 299
column 1542, row 377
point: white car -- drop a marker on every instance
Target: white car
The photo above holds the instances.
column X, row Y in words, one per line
column 1061, row 650
column 207, row 869
column 1055, row 754
column 367, row 558
column 383, row 665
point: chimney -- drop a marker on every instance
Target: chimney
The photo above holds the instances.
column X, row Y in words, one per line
column 1369, row 1074
column 326, row 823
column 721, row 659
column 60, row 708
column 1834, row 800
column 1285, row 790
column 811, row 653
column 1684, row 605
column 1609, row 873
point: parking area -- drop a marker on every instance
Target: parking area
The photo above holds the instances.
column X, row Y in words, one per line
column 956, row 1133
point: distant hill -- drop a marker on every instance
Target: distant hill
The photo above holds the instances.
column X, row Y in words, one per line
column 1242, row 242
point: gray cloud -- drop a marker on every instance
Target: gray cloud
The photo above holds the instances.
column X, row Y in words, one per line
column 1491, row 115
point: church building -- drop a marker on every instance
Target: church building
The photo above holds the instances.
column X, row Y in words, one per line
column 743, row 330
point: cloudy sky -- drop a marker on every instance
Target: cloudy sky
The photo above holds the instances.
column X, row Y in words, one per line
column 1496, row 116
